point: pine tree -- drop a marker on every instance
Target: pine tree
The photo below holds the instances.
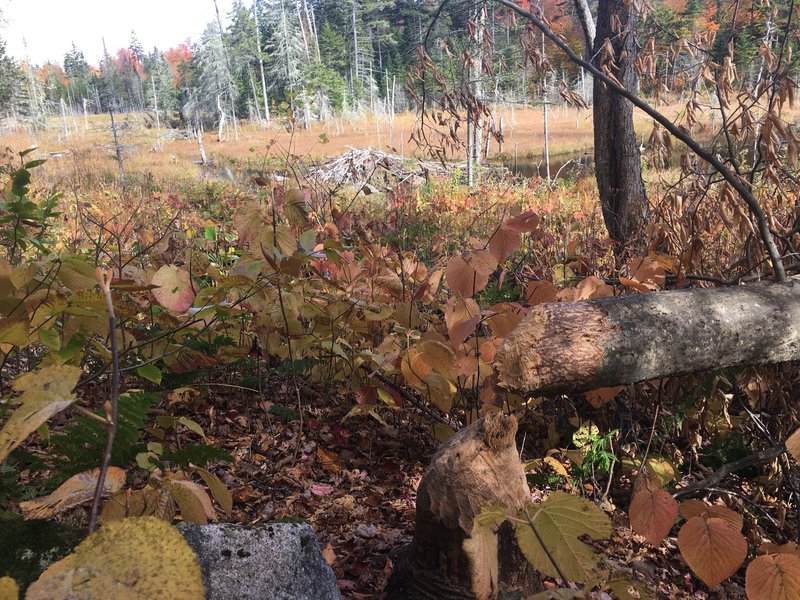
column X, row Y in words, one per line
column 217, row 90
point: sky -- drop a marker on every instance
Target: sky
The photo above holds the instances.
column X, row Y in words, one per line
column 50, row 26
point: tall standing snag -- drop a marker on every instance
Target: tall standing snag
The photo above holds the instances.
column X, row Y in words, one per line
column 452, row 556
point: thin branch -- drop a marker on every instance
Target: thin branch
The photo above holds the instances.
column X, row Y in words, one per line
column 113, row 411
column 736, row 183
column 712, row 480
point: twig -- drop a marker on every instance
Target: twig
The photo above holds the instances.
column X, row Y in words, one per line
column 735, row 182
column 406, row 395
column 712, row 480
column 104, row 277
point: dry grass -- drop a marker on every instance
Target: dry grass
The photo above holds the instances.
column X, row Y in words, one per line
column 84, row 159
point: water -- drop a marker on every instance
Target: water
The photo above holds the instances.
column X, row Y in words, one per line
column 562, row 166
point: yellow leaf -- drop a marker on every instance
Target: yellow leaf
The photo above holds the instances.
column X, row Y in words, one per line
column 8, row 589
column 793, row 445
column 560, row 521
column 192, row 499
column 77, row 273
column 14, row 331
column 136, row 558
column 45, row 392
column 218, row 489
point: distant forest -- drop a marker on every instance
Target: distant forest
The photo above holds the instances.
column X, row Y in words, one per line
column 303, row 60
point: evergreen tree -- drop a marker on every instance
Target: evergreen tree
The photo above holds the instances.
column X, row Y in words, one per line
column 217, row 90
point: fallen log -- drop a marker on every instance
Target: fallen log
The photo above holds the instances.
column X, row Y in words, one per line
column 578, row 346
column 451, row 558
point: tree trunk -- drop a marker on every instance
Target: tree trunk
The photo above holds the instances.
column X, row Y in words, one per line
column 477, row 466
column 617, row 158
column 576, row 346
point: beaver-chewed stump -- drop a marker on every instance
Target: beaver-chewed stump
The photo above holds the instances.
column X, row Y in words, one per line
column 451, row 557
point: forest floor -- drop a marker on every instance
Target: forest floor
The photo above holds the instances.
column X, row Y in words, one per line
column 354, row 481
column 299, row 453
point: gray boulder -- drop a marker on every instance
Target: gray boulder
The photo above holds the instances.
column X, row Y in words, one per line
column 271, row 561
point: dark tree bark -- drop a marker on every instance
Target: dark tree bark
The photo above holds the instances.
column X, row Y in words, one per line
column 576, row 346
column 617, row 157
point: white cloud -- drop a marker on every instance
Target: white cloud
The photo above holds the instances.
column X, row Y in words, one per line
column 50, row 26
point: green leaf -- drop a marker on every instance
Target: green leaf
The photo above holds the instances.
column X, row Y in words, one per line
column 149, row 372
column 77, row 273
column 35, row 163
column 45, row 392
column 210, row 233
column 560, row 521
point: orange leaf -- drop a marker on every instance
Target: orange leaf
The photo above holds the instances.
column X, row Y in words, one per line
column 593, row 287
column 502, row 323
column 461, row 315
column 644, row 274
column 793, row 445
column 652, row 513
column 539, row 292
column 75, row 491
column 503, row 243
column 773, row 577
column 698, row 508
column 602, row 396
column 523, row 222
column 712, row 548
column 438, row 357
column 462, row 279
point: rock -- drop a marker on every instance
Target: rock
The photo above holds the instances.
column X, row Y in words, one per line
column 272, row 561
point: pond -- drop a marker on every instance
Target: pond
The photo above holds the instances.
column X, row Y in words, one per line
column 562, row 166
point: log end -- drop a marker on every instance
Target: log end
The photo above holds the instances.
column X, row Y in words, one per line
column 556, row 347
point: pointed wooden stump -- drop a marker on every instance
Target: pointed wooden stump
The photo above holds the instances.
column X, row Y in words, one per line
column 450, row 557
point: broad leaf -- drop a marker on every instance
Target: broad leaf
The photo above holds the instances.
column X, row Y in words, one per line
column 45, row 392
column 698, row 508
column 77, row 273
column 461, row 315
column 793, row 445
column 503, row 243
column 8, row 589
column 773, row 577
column 712, row 548
column 560, row 521
column 652, row 513
column 523, row 223
column 218, row 489
column 192, row 499
column 540, row 292
column 469, row 274
column 149, row 372
column 174, row 290
column 75, row 491
column 249, row 221
column 125, row 559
